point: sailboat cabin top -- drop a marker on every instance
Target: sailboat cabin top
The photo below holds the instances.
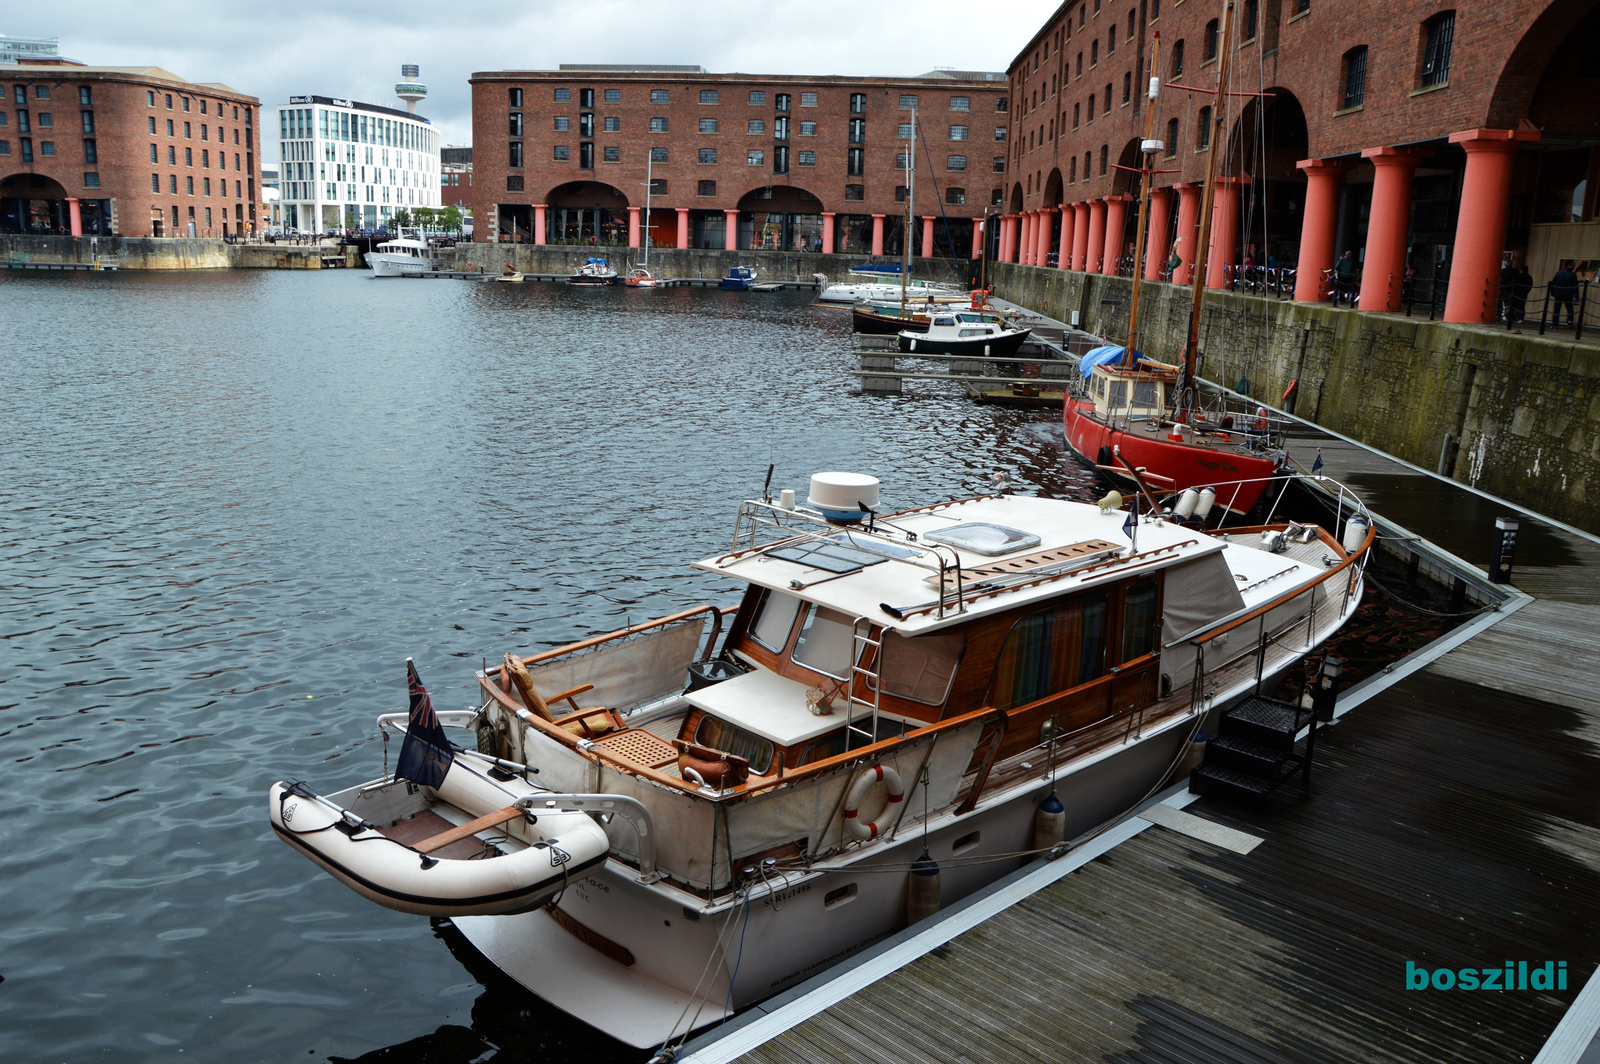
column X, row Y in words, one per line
column 1127, row 390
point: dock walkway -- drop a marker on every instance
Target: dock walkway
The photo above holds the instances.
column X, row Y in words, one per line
column 1451, row 821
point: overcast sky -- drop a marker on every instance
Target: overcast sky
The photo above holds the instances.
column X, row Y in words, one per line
column 348, row 50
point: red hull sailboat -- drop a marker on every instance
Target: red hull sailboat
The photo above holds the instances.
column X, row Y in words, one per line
column 1140, row 419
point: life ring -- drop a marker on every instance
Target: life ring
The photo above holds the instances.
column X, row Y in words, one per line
column 1261, row 419
column 897, row 793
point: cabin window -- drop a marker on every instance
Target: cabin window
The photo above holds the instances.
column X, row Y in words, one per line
column 1139, row 606
column 831, row 745
column 1053, row 650
column 920, row 668
column 1119, row 393
column 1145, row 393
column 774, row 616
column 826, row 643
column 720, row 735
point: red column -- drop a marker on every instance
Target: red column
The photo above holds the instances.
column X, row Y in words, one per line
column 538, row 223
column 74, row 219
column 827, row 231
column 1156, row 244
column 1025, row 238
column 877, row 234
column 731, row 242
column 1080, row 235
column 683, row 228
column 927, row 236
column 1064, row 248
column 1317, row 225
column 1188, row 230
column 633, row 227
column 1116, row 226
column 1224, row 231
column 1097, row 236
column 1047, row 234
column 977, row 237
column 1481, row 221
column 1004, row 254
column 1384, row 266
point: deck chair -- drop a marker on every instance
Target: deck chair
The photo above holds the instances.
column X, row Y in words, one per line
column 585, row 723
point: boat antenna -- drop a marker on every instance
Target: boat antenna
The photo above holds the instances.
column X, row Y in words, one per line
column 766, row 489
column 1202, row 246
column 911, row 195
column 1146, row 149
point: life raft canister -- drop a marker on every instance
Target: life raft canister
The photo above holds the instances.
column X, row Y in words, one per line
column 852, row 803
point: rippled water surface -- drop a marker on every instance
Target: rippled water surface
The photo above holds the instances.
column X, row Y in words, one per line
column 232, row 503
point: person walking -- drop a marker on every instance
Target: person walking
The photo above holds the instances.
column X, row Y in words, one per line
column 1563, row 293
column 1521, row 286
column 1508, row 283
column 1344, row 277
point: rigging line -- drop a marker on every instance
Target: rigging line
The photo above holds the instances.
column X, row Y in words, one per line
column 934, row 179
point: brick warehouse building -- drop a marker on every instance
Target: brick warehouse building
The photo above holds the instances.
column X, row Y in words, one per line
column 734, row 160
column 127, row 151
column 1443, row 139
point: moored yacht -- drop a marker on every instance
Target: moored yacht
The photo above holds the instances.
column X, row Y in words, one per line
column 966, row 332
column 594, row 271
column 401, row 256
column 966, row 684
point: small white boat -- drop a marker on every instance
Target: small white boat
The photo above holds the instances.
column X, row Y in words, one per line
column 510, row 274
column 921, row 291
column 401, row 256
column 641, row 278
column 595, row 272
column 970, row 333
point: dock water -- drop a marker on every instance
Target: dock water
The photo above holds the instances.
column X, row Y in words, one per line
column 1451, row 820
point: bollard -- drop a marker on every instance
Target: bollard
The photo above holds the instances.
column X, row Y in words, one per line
column 1504, row 550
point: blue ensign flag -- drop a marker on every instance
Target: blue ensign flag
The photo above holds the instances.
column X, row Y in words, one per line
column 425, row 756
column 1133, row 518
column 1318, row 463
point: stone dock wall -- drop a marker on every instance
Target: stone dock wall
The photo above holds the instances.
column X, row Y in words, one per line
column 694, row 262
column 160, row 253
column 1524, row 408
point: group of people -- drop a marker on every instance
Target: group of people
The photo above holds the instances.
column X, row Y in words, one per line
column 1516, row 284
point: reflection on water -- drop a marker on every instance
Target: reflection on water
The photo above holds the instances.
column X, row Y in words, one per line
column 234, row 502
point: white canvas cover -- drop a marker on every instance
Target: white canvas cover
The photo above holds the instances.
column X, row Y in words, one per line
column 1198, row 593
column 628, row 672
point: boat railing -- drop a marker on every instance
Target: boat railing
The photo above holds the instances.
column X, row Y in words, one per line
column 716, row 613
column 801, row 524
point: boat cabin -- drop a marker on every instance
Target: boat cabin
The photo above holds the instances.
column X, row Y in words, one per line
column 1135, row 394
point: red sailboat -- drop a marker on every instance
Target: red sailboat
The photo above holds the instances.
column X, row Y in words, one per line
column 1141, row 415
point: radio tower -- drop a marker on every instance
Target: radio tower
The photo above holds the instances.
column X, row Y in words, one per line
column 410, row 89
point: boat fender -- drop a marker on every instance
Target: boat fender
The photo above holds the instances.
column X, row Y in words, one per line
column 1105, row 457
column 922, row 895
column 1208, row 499
column 1049, row 823
column 1355, row 533
column 852, row 803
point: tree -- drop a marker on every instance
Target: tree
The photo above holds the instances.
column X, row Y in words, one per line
column 450, row 219
column 424, row 216
column 402, row 218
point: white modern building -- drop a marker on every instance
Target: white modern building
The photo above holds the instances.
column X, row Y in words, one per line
column 350, row 165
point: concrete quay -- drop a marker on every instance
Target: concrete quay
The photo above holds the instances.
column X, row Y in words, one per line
column 164, row 253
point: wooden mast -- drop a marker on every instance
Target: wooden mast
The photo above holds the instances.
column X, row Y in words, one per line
column 1215, row 149
column 911, row 195
column 1144, row 202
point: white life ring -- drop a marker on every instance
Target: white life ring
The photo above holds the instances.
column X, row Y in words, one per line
column 897, row 793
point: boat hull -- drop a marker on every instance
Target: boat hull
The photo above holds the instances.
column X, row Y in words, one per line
column 997, row 346
column 395, row 265
column 883, row 323
column 1239, row 478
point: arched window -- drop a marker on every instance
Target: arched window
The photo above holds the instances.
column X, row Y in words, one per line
column 1355, row 77
column 1172, row 137
column 1177, row 60
column 1105, row 159
column 1203, row 131
column 1438, row 33
column 1211, row 40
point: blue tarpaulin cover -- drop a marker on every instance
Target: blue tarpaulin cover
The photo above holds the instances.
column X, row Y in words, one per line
column 1098, row 356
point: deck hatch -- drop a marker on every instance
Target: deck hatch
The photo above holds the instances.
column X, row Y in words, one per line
column 838, row 554
column 983, row 537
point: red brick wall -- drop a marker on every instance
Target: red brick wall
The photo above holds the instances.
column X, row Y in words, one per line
column 122, row 139
column 734, row 176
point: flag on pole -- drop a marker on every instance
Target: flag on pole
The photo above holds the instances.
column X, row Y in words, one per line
column 1131, row 525
column 425, row 756
column 1318, row 463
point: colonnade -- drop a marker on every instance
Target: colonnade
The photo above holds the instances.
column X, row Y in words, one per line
column 1091, row 232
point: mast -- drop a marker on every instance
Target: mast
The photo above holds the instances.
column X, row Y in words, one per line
column 911, row 195
column 647, row 161
column 1203, row 244
column 1144, row 200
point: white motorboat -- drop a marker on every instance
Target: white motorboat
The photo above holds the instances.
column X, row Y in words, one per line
column 964, row 333
column 594, row 271
column 401, row 256
column 857, row 289
column 969, row 683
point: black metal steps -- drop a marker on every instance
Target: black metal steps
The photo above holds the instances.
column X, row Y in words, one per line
column 1255, row 750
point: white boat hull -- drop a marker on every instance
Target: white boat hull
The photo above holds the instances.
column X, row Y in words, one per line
column 385, row 265
column 852, row 292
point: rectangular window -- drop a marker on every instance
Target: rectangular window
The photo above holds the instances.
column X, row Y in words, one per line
column 808, row 99
column 907, row 102
column 586, row 98
column 782, row 102
column 658, row 125
column 613, row 124
column 1355, row 76
column 708, row 125
column 155, row 155
column 1051, row 651
column 708, row 95
column 90, row 152
column 205, row 158
column 172, row 185
column 1091, row 107
column 956, row 163
column 780, row 128
column 1248, row 29
column 757, row 125
column 187, row 133
column 563, row 123
column 706, row 188
column 660, row 96
column 999, row 164
column 46, row 120
column 150, row 100
column 43, row 93
column 808, row 129
column 708, row 155
column 613, row 96
column 188, row 156
column 855, row 162
column 1441, row 31
column 586, row 156
column 858, row 103
column 858, row 131
column 1127, row 86
column 152, row 127
column 758, row 99
column 563, row 96
column 1177, row 60
column 958, row 132
column 515, row 158
column 514, row 125
column 206, row 185
column 755, row 157
column 960, row 103
column 189, row 185
column 955, row 196
column 88, row 121
column 1139, row 615
column 613, row 155
column 855, row 192
column 155, row 183
column 806, row 158
column 586, row 125
column 899, row 193
column 780, row 159
column 1211, row 40
column 563, row 153
column 997, row 197
column 1172, row 137
column 1111, row 40
column 658, row 186
column 903, row 131
column 513, row 183
column 1203, row 132
column 515, row 97
column 658, row 155
column 172, row 155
